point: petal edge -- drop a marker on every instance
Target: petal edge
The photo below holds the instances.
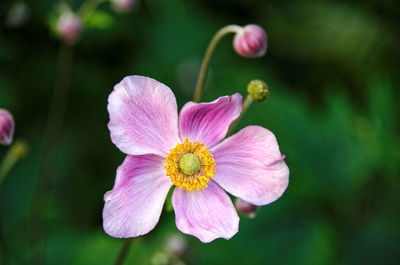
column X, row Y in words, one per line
column 133, row 207
column 209, row 122
column 141, row 110
column 207, row 215
column 250, row 166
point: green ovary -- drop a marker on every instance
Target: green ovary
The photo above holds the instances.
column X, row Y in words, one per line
column 189, row 164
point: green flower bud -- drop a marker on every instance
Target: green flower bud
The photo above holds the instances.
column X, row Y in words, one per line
column 258, row 90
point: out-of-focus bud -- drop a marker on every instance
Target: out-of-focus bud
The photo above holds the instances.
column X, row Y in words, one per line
column 251, row 41
column 69, row 27
column 6, row 127
column 122, row 5
column 17, row 15
column 246, row 208
column 176, row 244
column 258, row 90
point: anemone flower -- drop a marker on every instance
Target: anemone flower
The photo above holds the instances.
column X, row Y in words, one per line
column 186, row 150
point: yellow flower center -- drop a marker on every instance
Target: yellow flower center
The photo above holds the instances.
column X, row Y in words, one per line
column 190, row 165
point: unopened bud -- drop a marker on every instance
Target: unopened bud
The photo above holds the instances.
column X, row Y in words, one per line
column 258, row 90
column 246, row 208
column 122, row 5
column 6, row 127
column 69, row 27
column 176, row 244
column 251, row 41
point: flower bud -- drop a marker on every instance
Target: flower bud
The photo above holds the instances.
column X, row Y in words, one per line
column 6, row 127
column 246, row 208
column 251, row 41
column 122, row 5
column 176, row 244
column 69, row 27
column 258, row 90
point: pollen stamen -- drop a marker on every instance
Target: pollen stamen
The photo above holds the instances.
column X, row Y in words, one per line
column 190, row 165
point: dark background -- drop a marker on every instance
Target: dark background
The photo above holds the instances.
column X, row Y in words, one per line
column 333, row 71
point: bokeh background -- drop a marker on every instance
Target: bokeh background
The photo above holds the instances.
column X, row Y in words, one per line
column 333, row 71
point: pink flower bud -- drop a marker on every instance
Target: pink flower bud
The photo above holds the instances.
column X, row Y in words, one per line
column 251, row 41
column 246, row 208
column 69, row 27
column 176, row 244
column 6, row 127
column 122, row 5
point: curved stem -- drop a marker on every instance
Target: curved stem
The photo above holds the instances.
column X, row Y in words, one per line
column 246, row 104
column 123, row 252
column 207, row 57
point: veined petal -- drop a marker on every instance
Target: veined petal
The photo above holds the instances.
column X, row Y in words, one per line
column 133, row 207
column 250, row 166
column 143, row 116
column 208, row 123
column 207, row 214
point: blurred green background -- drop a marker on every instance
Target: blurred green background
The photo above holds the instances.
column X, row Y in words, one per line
column 333, row 71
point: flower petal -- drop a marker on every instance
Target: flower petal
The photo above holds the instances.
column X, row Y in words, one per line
column 133, row 207
column 207, row 214
column 250, row 166
column 143, row 116
column 209, row 122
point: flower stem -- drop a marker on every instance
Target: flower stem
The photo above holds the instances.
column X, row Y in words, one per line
column 207, row 57
column 49, row 153
column 123, row 252
column 246, row 104
column 15, row 153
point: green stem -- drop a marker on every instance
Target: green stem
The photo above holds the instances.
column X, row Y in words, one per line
column 207, row 57
column 246, row 105
column 123, row 252
column 15, row 153
column 49, row 154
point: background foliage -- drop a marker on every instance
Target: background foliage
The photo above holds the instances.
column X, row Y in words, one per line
column 333, row 71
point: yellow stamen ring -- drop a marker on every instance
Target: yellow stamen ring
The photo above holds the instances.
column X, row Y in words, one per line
column 190, row 165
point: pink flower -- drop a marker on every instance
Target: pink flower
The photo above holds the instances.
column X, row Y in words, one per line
column 69, row 27
column 6, row 127
column 251, row 41
column 186, row 150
